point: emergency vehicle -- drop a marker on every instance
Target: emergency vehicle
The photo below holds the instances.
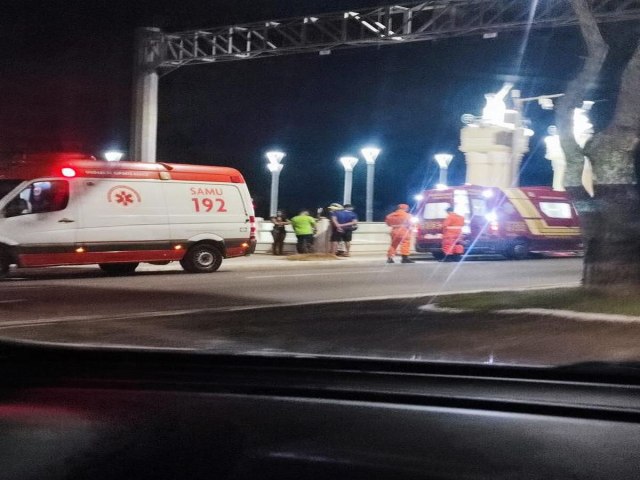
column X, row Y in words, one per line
column 514, row 222
column 70, row 209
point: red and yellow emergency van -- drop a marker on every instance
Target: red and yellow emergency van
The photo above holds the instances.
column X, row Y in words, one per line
column 514, row 222
column 70, row 209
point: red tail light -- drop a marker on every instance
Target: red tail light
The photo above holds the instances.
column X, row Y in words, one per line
column 252, row 226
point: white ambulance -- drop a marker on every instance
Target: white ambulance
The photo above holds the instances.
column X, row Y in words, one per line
column 70, row 209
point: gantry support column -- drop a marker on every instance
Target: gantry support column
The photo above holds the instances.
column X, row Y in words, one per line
column 144, row 122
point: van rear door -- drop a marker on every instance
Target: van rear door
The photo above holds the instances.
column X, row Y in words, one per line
column 206, row 210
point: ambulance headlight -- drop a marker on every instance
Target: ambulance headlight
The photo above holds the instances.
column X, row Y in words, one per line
column 488, row 193
column 491, row 217
column 414, row 220
column 418, row 197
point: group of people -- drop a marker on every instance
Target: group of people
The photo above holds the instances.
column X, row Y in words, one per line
column 342, row 222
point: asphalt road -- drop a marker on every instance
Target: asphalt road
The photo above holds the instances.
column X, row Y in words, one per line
column 270, row 306
column 57, row 293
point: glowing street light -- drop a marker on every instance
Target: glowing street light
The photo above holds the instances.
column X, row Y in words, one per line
column 275, row 156
column 348, row 163
column 113, row 155
column 275, row 167
column 443, row 160
column 370, row 155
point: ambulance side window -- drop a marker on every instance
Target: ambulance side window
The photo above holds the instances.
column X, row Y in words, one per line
column 40, row 197
column 556, row 209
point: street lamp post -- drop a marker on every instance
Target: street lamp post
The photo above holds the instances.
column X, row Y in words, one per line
column 370, row 155
column 443, row 160
column 275, row 167
column 113, row 155
column 348, row 163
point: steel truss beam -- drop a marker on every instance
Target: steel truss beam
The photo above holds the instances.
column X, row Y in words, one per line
column 394, row 24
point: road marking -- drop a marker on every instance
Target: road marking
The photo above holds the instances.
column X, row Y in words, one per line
column 93, row 346
column 382, row 270
column 17, row 300
column 573, row 315
column 312, row 274
column 128, row 316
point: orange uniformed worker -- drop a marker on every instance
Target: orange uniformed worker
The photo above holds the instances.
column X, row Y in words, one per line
column 452, row 233
column 400, row 223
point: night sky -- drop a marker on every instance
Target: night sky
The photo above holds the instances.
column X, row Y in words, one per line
column 66, row 84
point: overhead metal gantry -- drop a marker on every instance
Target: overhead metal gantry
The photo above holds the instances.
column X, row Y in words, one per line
column 391, row 24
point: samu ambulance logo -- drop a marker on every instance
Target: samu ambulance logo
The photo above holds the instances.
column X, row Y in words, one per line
column 123, row 195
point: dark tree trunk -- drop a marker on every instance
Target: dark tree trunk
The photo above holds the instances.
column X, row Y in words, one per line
column 611, row 219
column 611, row 233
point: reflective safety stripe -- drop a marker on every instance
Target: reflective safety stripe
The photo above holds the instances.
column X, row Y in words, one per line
column 87, row 258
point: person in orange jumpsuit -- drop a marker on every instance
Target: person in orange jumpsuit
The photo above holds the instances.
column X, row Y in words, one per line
column 400, row 223
column 452, row 233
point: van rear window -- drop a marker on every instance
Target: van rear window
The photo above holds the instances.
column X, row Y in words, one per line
column 435, row 210
column 556, row 209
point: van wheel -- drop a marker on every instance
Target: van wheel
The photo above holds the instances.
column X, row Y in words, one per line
column 202, row 259
column 118, row 268
column 518, row 251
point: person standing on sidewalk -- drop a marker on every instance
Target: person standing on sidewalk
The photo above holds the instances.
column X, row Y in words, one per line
column 322, row 237
column 345, row 222
column 279, row 232
column 336, row 230
column 304, row 226
column 400, row 223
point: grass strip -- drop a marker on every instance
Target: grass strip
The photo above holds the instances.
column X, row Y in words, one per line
column 576, row 299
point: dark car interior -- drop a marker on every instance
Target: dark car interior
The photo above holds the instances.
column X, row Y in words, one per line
column 72, row 413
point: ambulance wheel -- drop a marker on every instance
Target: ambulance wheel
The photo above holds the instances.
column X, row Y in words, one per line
column 518, row 250
column 202, row 258
column 118, row 268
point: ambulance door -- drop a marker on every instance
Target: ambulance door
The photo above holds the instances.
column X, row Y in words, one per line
column 207, row 210
column 43, row 219
column 121, row 214
column 434, row 212
column 479, row 216
column 462, row 207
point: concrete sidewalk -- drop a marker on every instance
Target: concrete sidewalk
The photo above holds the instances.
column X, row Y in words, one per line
column 259, row 259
